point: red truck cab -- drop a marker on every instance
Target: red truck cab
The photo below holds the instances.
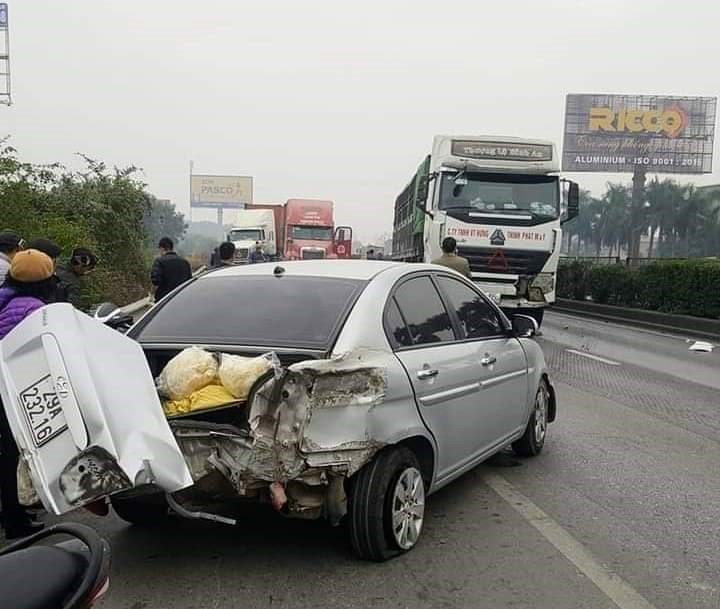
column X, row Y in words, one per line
column 306, row 230
column 310, row 231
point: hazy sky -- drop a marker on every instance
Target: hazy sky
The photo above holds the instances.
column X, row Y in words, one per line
column 336, row 100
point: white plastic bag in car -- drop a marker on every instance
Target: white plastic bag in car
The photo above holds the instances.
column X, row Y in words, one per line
column 190, row 370
column 238, row 374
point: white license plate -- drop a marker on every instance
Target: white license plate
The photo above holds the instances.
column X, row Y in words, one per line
column 42, row 410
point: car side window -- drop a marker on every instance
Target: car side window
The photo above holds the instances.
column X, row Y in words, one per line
column 395, row 325
column 424, row 312
column 478, row 318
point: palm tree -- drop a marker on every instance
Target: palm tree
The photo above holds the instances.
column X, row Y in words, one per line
column 661, row 209
column 615, row 216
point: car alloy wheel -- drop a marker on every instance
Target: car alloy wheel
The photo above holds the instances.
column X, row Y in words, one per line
column 541, row 403
column 408, row 508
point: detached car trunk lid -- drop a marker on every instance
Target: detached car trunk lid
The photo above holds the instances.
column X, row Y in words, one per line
column 84, row 411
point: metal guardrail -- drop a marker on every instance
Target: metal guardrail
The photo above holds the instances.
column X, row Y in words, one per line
column 629, row 261
column 592, row 259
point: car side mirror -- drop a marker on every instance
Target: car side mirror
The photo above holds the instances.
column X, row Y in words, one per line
column 524, row 326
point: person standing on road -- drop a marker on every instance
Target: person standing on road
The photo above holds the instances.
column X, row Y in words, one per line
column 70, row 276
column 226, row 254
column 10, row 244
column 451, row 260
column 29, row 286
column 257, row 255
column 168, row 270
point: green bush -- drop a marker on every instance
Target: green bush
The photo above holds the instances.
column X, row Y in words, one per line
column 685, row 287
column 613, row 284
column 573, row 280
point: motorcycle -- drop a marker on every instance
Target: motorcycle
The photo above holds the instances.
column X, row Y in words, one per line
column 111, row 315
column 71, row 574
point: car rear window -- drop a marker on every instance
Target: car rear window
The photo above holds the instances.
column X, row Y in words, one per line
column 266, row 311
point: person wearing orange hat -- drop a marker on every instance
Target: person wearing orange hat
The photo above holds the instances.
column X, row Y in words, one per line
column 29, row 285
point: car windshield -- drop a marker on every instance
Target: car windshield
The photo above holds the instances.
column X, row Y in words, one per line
column 491, row 193
column 312, row 233
column 285, row 311
column 247, row 234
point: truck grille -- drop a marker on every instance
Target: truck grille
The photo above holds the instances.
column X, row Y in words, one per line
column 241, row 254
column 313, row 254
column 504, row 261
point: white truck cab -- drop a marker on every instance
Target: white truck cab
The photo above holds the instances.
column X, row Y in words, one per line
column 501, row 199
column 250, row 227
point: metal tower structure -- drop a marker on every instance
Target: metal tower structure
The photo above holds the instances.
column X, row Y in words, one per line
column 5, row 97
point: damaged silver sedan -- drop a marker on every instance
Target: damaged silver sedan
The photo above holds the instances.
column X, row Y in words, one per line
column 360, row 388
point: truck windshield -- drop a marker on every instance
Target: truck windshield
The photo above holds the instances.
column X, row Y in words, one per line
column 501, row 193
column 312, row 233
column 247, row 234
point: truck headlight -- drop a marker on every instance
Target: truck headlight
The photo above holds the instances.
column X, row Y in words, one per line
column 544, row 281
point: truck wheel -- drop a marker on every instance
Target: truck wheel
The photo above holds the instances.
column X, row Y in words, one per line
column 533, row 440
column 387, row 505
column 142, row 511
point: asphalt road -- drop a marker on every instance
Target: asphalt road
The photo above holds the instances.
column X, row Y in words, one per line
column 622, row 509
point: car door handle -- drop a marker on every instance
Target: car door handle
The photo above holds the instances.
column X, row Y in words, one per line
column 427, row 373
column 488, row 360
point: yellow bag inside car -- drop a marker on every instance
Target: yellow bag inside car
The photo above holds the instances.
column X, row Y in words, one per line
column 210, row 396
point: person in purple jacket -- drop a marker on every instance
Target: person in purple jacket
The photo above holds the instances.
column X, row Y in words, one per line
column 28, row 286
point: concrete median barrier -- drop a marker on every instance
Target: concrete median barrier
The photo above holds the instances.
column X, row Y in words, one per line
column 652, row 320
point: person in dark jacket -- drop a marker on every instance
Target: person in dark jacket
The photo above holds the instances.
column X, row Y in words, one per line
column 226, row 254
column 82, row 261
column 168, row 270
column 28, row 287
column 10, row 244
column 257, row 255
column 52, row 249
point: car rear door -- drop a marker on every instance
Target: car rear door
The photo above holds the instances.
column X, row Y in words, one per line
column 440, row 367
column 82, row 406
column 501, row 406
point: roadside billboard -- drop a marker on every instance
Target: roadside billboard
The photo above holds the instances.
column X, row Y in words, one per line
column 622, row 133
column 220, row 191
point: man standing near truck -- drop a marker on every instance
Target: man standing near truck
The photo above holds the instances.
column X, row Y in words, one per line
column 451, row 260
column 257, row 255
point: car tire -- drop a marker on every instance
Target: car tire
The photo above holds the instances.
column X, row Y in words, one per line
column 532, row 441
column 141, row 511
column 388, row 491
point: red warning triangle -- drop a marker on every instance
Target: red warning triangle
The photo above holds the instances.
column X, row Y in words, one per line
column 498, row 261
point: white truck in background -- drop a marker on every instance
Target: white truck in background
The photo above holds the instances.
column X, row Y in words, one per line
column 503, row 201
column 252, row 226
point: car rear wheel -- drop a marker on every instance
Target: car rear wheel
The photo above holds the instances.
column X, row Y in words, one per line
column 533, row 440
column 143, row 510
column 387, row 505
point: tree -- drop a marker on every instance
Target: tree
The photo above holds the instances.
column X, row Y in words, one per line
column 614, row 222
column 98, row 208
column 161, row 219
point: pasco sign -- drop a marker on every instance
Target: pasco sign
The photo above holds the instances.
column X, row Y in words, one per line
column 624, row 133
column 220, row 191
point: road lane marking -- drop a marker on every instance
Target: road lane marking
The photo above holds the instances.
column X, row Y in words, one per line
column 611, row 585
column 597, row 358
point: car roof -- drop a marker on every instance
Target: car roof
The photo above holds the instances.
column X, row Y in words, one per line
column 341, row 269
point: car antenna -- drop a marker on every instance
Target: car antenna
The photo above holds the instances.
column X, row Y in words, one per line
column 278, row 271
